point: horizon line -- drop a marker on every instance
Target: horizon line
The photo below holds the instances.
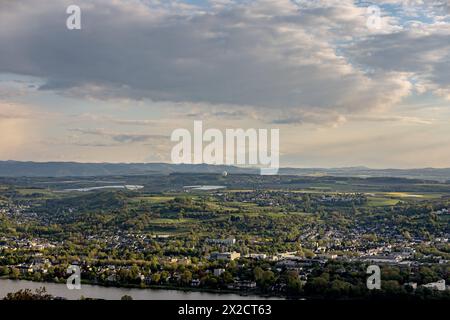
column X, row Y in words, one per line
column 221, row 165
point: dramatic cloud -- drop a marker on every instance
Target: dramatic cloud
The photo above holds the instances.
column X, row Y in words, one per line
column 423, row 51
column 266, row 54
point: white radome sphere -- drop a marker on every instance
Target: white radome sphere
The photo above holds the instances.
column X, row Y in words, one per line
column 224, row 174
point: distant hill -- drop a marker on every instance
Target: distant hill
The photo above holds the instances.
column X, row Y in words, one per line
column 75, row 169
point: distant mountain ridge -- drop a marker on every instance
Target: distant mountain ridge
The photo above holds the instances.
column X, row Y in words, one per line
column 67, row 169
column 74, row 169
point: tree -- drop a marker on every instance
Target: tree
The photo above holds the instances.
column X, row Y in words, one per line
column 37, row 276
column 268, row 279
column 15, row 273
column 164, row 276
column 306, row 203
column 317, row 285
column 4, row 271
column 294, row 285
column 186, row 277
column 156, row 277
column 308, row 253
column 27, row 294
column 340, row 288
column 227, row 277
column 258, row 274
column 134, row 271
column 392, row 287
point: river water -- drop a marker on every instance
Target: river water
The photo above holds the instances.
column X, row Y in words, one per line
column 113, row 293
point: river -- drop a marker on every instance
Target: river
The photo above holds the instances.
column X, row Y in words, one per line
column 113, row 293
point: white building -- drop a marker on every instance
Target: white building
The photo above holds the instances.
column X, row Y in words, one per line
column 218, row 272
column 439, row 285
column 225, row 242
column 258, row 256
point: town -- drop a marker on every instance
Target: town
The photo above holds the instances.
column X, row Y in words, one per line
column 286, row 240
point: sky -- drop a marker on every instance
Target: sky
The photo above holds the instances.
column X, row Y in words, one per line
column 344, row 86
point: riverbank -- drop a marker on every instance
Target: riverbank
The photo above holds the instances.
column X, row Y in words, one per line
column 115, row 293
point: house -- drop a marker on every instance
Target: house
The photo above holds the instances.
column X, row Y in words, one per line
column 438, row 285
column 412, row 285
column 327, row 256
column 25, row 268
column 195, row 282
column 225, row 256
column 388, row 259
column 320, row 250
column 247, row 284
column 112, row 278
column 257, row 256
column 288, row 264
column 225, row 242
column 218, row 272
